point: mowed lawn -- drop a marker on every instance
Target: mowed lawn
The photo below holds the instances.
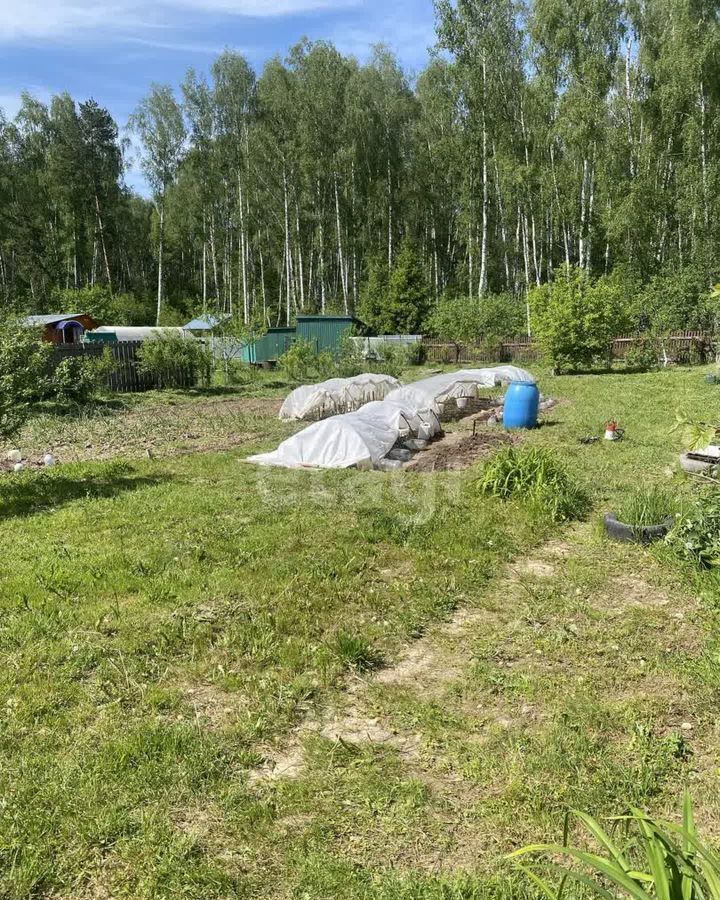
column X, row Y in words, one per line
column 219, row 681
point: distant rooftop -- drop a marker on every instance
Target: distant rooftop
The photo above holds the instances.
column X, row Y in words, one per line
column 206, row 323
column 51, row 319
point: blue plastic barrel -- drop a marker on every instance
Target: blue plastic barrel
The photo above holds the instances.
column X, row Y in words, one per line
column 522, row 403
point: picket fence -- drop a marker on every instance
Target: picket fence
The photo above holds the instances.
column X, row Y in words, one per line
column 126, row 376
column 679, row 347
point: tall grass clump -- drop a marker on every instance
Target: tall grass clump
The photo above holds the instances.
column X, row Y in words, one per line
column 536, row 476
column 648, row 506
column 640, row 857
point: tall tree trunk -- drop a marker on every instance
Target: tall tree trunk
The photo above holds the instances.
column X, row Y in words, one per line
column 390, row 216
column 703, row 154
column 204, row 264
column 161, row 247
column 288, row 260
column 243, row 253
column 301, row 273
column 482, row 286
column 341, row 257
column 213, row 259
column 101, row 227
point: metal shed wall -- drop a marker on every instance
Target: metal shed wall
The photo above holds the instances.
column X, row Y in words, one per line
column 324, row 332
column 270, row 346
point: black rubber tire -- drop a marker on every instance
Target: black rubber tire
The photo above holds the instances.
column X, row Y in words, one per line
column 631, row 534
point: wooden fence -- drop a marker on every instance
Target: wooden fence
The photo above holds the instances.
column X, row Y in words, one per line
column 680, row 347
column 126, row 376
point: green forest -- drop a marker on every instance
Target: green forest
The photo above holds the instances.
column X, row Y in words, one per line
column 541, row 137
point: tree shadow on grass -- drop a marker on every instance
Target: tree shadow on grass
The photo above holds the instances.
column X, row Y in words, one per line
column 35, row 492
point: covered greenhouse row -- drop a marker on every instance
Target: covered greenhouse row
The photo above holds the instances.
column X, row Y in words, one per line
column 365, row 437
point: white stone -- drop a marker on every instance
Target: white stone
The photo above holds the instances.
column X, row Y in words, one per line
column 48, row 459
column 18, row 467
column 13, row 456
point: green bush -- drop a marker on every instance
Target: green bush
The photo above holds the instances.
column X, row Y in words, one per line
column 674, row 301
column 175, row 362
column 575, row 321
column 79, row 379
column 393, row 358
column 24, row 361
column 104, row 306
column 227, row 372
column 697, row 533
column 644, row 354
column 466, row 320
column 536, row 476
column 302, row 363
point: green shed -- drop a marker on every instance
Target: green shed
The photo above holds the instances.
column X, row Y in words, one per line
column 326, row 332
column 270, row 347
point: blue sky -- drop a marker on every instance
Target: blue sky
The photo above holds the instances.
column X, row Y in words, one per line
column 112, row 50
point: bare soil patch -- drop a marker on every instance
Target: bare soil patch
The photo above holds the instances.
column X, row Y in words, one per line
column 459, row 451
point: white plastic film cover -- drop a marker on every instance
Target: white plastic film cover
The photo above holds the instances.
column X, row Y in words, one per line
column 365, row 437
column 337, row 395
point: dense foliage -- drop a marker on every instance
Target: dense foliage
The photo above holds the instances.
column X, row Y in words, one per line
column 23, row 370
column 174, row 361
column 544, row 136
column 576, row 320
column 697, row 534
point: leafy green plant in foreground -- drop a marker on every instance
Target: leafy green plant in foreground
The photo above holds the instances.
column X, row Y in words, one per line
column 642, row 857
column 537, row 476
column 697, row 534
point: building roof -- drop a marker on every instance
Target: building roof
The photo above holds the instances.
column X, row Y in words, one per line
column 206, row 323
column 140, row 333
column 329, row 318
column 52, row 319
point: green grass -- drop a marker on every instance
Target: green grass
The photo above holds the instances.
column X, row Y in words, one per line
column 645, row 507
column 165, row 625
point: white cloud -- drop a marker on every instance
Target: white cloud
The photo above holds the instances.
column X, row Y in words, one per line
column 52, row 19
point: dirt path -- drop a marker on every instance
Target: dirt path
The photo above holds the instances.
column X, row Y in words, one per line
column 558, row 630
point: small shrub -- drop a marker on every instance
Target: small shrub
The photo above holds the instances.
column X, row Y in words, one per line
column 234, row 372
column 466, row 320
column 644, row 354
column 697, row 533
column 648, row 506
column 302, row 363
column 393, row 359
column 174, row 362
column 536, row 476
column 79, row 379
